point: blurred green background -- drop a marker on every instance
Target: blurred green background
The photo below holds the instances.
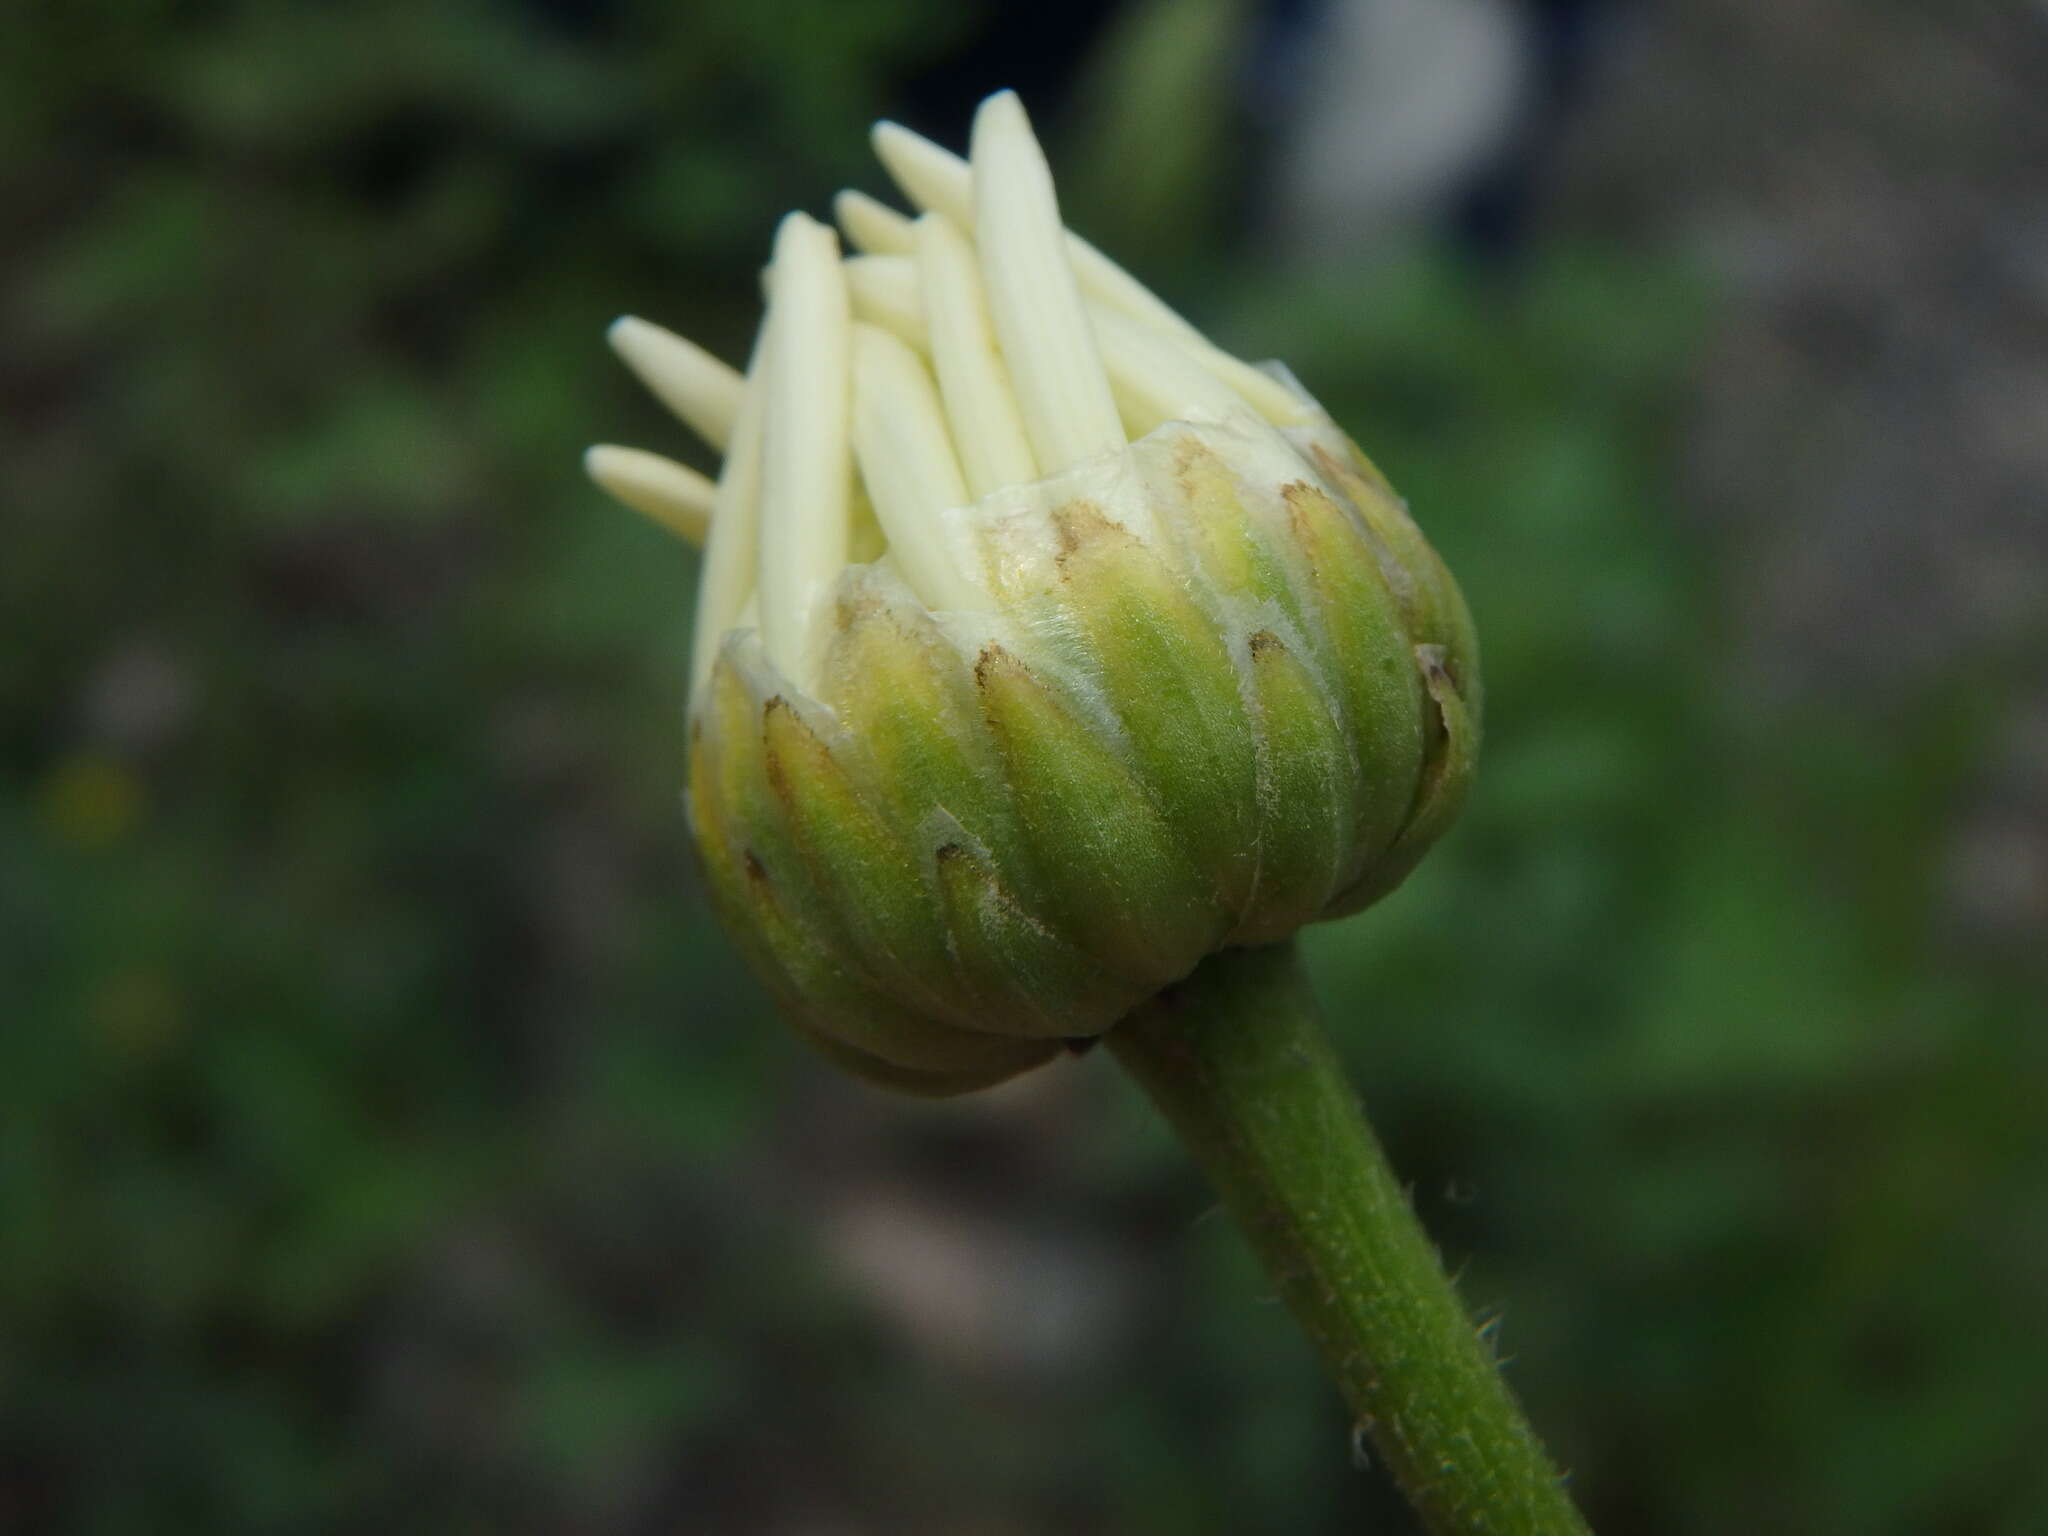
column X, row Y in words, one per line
column 389, row 1141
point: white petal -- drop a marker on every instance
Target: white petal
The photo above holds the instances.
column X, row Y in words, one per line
column 936, row 179
column 806, row 464
column 884, row 290
column 1152, row 377
column 871, row 226
column 1265, row 394
column 672, row 494
column 725, row 596
column 987, row 428
column 1155, row 380
column 699, row 388
column 1048, row 346
column 906, row 460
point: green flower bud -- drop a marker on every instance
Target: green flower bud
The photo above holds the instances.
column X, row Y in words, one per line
column 1043, row 648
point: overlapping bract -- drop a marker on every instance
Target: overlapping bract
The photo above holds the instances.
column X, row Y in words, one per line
column 1229, row 689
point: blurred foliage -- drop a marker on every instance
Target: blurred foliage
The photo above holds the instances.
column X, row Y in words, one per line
column 385, row 1134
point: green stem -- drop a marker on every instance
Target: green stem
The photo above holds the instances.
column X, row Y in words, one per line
column 1237, row 1058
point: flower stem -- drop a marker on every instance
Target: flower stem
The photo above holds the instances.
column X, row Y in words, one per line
column 1237, row 1059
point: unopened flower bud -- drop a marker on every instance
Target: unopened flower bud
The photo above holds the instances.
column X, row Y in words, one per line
column 1043, row 647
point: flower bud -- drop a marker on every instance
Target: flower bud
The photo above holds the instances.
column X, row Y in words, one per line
column 1043, row 648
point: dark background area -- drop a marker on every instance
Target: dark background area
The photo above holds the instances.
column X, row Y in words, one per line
column 388, row 1139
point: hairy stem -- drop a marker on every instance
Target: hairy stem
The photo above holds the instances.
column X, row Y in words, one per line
column 1237, row 1059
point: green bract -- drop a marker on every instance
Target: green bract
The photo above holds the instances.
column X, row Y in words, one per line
column 1090, row 678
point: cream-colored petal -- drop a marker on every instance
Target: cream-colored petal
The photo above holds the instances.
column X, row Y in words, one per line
column 1154, row 380
column 939, row 180
column 1260, row 390
column 987, row 428
column 725, row 595
column 934, row 178
column 806, row 460
column 1152, row 377
column 884, row 290
column 871, row 227
column 699, row 388
column 907, row 463
column 673, row 495
column 1047, row 343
